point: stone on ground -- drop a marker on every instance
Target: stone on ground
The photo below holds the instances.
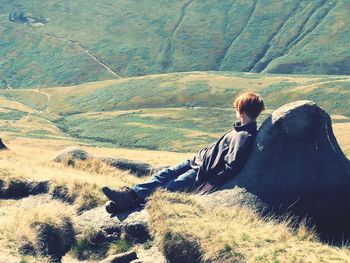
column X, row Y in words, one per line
column 135, row 227
column 126, row 257
column 71, row 155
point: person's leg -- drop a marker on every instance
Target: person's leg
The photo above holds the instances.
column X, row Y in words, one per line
column 161, row 179
column 186, row 182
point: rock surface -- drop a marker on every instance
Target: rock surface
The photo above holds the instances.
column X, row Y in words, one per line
column 71, row 155
column 126, row 257
column 133, row 224
column 98, row 219
column 149, row 255
column 297, row 166
column 135, row 227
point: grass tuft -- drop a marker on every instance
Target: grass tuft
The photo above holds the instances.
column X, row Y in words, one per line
column 27, row 228
column 119, row 246
column 186, row 229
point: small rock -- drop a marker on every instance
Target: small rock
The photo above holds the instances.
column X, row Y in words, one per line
column 138, row 168
column 71, row 155
column 98, row 219
column 149, row 255
column 2, row 146
column 135, row 227
column 126, row 257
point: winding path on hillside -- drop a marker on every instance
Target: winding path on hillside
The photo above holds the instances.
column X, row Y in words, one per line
column 74, row 43
column 46, row 109
column 88, row 52
column 317, row 84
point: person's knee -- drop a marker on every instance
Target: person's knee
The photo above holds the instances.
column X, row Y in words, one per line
column 162, row 174
column 179, row 185
column 171, row 186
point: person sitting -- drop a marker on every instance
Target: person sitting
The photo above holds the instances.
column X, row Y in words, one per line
column 211, row 167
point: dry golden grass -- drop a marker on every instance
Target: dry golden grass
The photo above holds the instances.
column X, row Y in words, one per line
column 34, row 123
column 15, row 218
column 15, row 105
column 27, row 161
column 222, row 234
column 58, row 95
column 180, row 224
column 20, row 221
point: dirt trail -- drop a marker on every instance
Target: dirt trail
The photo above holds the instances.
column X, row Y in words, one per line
column 312, row 86
column 88, row 52
column 48, row 99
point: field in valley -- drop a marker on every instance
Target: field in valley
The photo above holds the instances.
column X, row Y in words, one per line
column 179, row 112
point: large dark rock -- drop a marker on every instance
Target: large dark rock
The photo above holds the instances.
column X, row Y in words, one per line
column 2, row 146
column 297, row 166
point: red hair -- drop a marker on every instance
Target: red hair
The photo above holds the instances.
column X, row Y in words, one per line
column 249, row 103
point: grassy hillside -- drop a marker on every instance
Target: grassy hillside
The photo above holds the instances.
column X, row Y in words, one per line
column 173, row 112
column 167, row 113
column 20, row 218
column 30, row 59
column 180, row 224
column 86, row 40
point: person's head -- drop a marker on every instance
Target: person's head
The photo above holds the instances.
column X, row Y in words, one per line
column 248, row 106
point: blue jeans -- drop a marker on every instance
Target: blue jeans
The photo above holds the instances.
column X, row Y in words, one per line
column 179, row 178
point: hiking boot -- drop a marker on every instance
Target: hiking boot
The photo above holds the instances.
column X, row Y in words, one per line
column 111, row 208
column 124, row 199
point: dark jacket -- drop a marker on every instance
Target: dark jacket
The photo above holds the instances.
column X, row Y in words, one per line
column 225, row 158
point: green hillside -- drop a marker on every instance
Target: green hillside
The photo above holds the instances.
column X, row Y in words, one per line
column 174, row 112
column 87, row 40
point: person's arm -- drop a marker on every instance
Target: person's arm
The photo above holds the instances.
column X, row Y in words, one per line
column 234, row 161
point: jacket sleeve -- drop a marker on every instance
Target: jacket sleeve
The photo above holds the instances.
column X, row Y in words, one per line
column 235, row 159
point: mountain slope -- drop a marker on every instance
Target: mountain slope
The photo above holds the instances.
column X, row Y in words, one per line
column 86, row 40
